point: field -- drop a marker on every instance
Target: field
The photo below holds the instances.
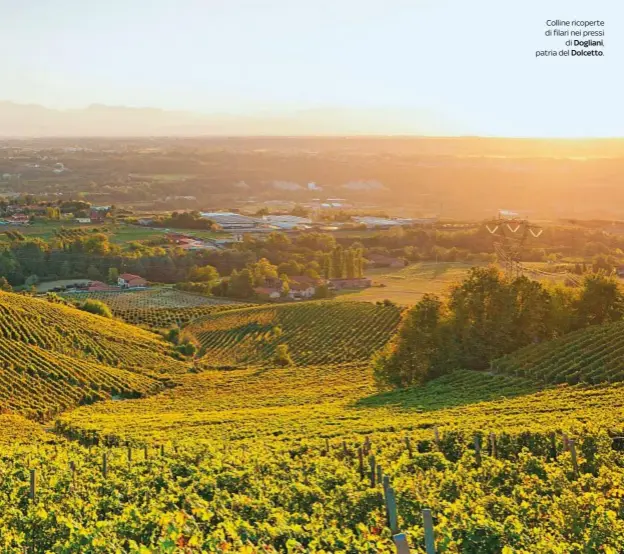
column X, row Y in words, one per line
column 53, row 357
column 407, row 286
column 315, row 333
column 309, row 457
column 121, row 233
column 250, row 447
column 592, row 355
column 157, row 307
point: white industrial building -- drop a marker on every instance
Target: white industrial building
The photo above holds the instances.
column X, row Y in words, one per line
column 382, row 222
column 230, row 220
column 287, row 221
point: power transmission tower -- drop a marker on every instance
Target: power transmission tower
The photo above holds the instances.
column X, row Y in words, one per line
column 510, row 235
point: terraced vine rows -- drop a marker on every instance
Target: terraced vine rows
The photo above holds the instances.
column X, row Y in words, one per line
column 315, row 332
column 592, row 355
column 159, row 308
column 39, row 384
column 84, row 336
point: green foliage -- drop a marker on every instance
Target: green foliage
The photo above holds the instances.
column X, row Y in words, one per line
column 316, row 332
column 113, row 275
column 96, row 307
column 411, row 357
column 282, row 356
column 488, row 316
column 159, row 308
column 203, row 274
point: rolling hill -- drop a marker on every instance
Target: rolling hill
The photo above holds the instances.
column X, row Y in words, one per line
column 157, row 308
column 592, row 355
column 315, row 333
column 53, row 357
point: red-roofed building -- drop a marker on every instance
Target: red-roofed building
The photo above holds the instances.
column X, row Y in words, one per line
column 128, row 280
column 99, row 286
column 267, row 292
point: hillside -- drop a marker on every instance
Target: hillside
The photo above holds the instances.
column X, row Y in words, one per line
column 267, row 449
column 53, row 357
column 157, row 308
column 592, row 355
column 315, row 333
column 83, row 336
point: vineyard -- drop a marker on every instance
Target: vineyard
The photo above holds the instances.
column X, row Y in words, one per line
column 157, row 308
column 304, row 457
column 318, row 496
column 592, row 355
column 315, row 333
column 39, row 384
column 53, row 358
column 269, row 461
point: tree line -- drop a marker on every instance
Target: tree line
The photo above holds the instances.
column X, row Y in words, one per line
column 487, row 316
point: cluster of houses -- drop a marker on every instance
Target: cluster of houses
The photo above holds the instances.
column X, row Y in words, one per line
column 188, row 242
column 124, row 282
column 301, row 287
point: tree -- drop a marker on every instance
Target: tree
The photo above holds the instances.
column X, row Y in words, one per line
column 322, row 291
column 203, row 274
column 285, row 285
column 600, row 301
column 96, row 307
column 31, row 280
column 282, row 356
column 4, row 285
column 65, row 270
column 93, row 273
column 411, row 357
column 241, row 285
column 338, row 265
column 113, row 275
column 261, row 271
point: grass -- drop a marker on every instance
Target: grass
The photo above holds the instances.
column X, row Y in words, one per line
column 341, row 401
column 406, row 286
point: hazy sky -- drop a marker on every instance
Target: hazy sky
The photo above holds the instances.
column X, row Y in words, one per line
column 469, row 62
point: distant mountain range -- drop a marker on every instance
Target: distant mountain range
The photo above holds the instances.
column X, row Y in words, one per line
column 30, row 120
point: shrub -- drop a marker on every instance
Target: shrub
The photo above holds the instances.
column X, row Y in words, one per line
column 96, row 307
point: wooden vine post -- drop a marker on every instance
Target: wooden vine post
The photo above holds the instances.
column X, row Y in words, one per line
column 371, row 461
column 436, row 436
column 391, row 509
column 33, row 484
column 408, row 445
column 104, row 465
column 572, row 446
column 429, row 534
column 493, row 444
column 400, row 542
column 361, row 460
column 477, row 447
column 553, row 445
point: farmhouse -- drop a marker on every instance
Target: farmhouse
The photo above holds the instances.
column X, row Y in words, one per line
column 269, row 293
column 354, row 283
column 98, row 213
column 128, row 280
column 99, row 286
column 19, row 219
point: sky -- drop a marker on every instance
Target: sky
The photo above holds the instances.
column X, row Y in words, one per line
column 470, row 65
